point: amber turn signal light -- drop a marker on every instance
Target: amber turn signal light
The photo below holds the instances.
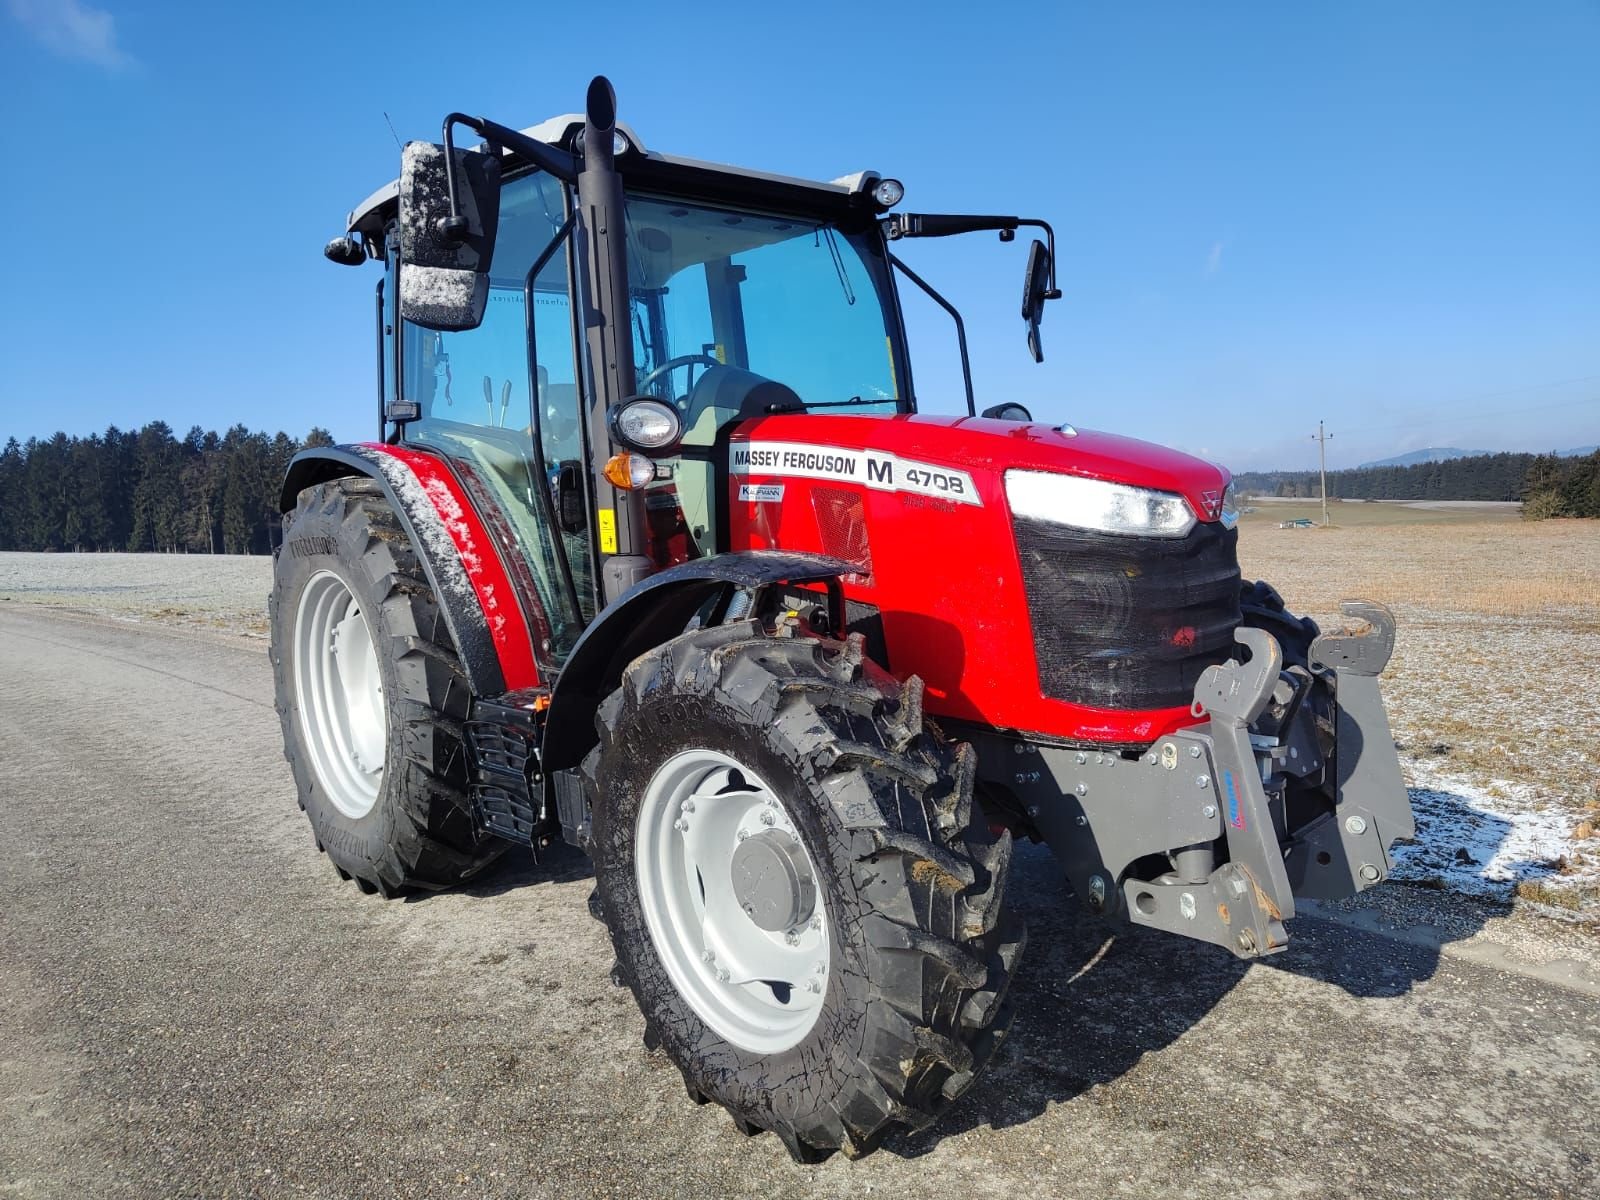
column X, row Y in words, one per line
column 629, row 471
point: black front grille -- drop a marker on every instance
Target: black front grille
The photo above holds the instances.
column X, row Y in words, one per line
column 1128, row 622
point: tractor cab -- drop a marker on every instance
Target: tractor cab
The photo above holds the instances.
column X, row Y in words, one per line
column 597, row 439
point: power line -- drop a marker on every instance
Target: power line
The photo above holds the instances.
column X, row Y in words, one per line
column 1321, row 438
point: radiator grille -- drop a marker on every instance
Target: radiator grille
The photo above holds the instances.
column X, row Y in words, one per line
column 1128, row 622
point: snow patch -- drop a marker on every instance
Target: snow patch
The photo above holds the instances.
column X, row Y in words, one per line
column 449, row 562
column 1485, row 841
column 442, row 525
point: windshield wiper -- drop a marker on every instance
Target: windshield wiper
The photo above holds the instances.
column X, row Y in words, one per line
column 789, row 406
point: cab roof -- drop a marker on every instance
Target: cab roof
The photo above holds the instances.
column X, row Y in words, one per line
column 689, row 177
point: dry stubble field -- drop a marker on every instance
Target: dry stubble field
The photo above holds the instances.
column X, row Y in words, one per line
column 1491, row 691
column 1492, row 688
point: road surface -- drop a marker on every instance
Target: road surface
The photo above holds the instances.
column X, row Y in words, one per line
column 192, row 1004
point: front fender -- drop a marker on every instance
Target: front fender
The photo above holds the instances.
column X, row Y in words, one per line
column 653, row 611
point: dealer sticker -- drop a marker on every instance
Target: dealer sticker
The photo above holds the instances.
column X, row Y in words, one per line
column 761, row 492
column 875, row 469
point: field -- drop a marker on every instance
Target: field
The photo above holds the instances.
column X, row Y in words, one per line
column 1491, row 687
column 1490, row 691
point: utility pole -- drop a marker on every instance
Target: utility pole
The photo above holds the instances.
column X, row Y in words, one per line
column 1321, row 438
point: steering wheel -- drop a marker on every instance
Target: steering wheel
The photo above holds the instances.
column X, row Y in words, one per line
column 672, row 364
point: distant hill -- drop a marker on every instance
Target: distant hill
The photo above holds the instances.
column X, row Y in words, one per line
column 1434, row 454
column 1429, row 455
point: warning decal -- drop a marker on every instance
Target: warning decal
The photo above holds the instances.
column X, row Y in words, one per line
column 875, row 469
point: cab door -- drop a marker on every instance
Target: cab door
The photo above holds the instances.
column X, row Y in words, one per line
column 478, row 391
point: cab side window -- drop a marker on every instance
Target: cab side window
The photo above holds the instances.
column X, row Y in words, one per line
column 476, row 389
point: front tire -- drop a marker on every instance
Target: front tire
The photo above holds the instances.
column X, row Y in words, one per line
column 831, row 960
column 371, row 696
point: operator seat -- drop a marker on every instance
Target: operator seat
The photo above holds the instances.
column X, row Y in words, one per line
column 721, row 396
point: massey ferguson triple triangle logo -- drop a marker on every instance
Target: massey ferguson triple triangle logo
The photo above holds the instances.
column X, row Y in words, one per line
column 875, row 469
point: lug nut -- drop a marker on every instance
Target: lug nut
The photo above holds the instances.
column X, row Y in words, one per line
column 1194, row 751
column 767, row 818
column 680, row 825
column 792, row 937
column 1209, row 811
column 814, row 986
column 744, row 834
column 816, row 921
column 1202, row 781
column 687, row 806
column 708, row 957
column 722, row 975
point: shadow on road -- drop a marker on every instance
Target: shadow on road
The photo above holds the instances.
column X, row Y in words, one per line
column 1092, row 999
column 558, row 863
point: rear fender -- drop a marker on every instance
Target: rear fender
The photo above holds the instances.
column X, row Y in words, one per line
column 469, row 582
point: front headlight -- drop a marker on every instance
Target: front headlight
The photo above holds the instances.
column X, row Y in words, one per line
column 1097, row 504
column 646, row 424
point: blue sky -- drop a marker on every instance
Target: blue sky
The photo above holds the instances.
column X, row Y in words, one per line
column 1381, row 214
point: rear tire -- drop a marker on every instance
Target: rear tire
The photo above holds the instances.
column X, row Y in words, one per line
column 372, row 728
column 908, row 883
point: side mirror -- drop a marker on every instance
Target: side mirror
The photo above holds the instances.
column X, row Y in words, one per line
column 1035, row 291
column 445, row 252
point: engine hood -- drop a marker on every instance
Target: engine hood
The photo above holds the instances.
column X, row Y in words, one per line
column 987, row 448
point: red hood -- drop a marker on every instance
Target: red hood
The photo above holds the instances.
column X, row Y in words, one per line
column 984, row 446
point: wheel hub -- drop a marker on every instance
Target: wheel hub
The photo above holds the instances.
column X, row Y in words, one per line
column 339, row 694
column 772, row 881
column 730, row 896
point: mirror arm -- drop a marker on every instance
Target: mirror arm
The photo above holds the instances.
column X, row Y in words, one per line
column 453, row 229
column 961, row 329
column 914, row 225
column 1050, row 244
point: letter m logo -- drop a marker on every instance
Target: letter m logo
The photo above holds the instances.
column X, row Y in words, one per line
column 880, row 470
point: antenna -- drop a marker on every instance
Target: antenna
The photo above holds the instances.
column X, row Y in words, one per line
column 1321, row 439
column 392, row 133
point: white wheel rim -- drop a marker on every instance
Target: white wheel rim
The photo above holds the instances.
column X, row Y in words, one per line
column 761, row 990
column 339, row 692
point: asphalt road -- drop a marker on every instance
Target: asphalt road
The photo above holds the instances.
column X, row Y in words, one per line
column 192, row 1004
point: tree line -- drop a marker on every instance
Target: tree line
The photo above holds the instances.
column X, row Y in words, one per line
column 1547, row 485
column 147, row 490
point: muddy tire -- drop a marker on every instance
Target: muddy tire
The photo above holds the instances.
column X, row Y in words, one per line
column 371, row 696
column 834, row 775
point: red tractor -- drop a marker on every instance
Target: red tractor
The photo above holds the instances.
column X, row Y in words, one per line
column 698, row 590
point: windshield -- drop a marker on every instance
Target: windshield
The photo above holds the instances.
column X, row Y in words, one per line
column 788, row 299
